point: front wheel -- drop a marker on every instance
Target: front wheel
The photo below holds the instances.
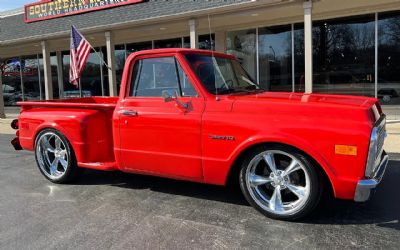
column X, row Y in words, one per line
column 55, row 156
column 280, row 182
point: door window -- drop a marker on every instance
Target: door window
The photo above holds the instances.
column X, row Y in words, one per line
column 154, row 75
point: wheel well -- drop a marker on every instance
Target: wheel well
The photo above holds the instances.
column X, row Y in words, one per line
column 233, row 179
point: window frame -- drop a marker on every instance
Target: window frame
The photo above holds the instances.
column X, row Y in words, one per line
column 134, row 61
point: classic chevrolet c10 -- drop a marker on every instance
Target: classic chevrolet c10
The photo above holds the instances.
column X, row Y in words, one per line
column 197, row 115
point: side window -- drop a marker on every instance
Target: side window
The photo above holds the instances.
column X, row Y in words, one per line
column 152, row 76
column 186, row 84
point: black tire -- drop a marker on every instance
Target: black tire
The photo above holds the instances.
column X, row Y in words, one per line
column 313, row 194
column 70, row 172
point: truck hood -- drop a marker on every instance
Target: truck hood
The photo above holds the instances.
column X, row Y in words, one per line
column 342, row 106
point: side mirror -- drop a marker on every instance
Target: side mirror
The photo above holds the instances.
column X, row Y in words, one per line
column 169, row 96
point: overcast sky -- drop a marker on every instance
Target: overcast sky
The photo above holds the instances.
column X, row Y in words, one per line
column 13, row 4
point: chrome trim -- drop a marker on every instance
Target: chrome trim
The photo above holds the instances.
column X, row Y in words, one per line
column 128, row 112
column 375, row 150
column 365, row 187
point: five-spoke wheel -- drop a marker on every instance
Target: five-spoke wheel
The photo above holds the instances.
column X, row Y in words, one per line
column 54, row 156
column 280, row 182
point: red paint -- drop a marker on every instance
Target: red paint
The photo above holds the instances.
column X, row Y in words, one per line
column 74, row 12
column 162, row 140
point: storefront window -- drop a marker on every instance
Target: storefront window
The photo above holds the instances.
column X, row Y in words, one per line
column 54, row 74
column 299, row 70
column 389, row 58
column 344, row 52
column 206, row 42
column 31, row 78
column 275, row 58
column 169, row 43
column 134, row 47
column 120, row 57
column 11, row 77
column 242, row 44
column 92, row 79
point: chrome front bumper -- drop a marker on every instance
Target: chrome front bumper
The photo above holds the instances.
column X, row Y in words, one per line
column 366, row 187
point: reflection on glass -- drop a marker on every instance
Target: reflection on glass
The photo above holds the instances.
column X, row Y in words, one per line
column 275, row 55
column 169, row 43
column 91, row 78
column 205, row 42
column 11, row 76
column 120, row 57
column 389, row 58
column 242, row 44
column 30, row 78
column 299, row 70
column 134, row 47
column 344, row 56
column 54, row 74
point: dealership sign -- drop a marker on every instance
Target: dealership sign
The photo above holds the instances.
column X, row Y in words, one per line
column 48, row 9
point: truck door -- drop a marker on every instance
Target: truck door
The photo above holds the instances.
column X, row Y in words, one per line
column 159, row 137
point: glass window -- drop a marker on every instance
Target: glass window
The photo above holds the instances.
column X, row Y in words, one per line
column 120, row 57
column 134, row 47
column 344, row 56
column 186, row 84
column 205, row 42
column 54, row 74
column 31, row 78
column 93, row 80
column 221, row 75
column 242, row 44
column 11, row 76
column 299, row 67
column 389, row 58
column 168, row 43
column 275, row 55
column 152, row 76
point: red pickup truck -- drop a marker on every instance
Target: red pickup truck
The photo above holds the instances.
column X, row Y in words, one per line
column 197, row 115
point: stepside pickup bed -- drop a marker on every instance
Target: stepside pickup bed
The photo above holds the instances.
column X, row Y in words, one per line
column 197, row 115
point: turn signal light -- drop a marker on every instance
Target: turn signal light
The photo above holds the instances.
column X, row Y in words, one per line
column 345, row 150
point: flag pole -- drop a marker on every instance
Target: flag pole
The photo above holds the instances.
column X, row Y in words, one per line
column 101, row 58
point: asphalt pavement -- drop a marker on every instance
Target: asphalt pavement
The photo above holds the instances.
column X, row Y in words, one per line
column 113, row 210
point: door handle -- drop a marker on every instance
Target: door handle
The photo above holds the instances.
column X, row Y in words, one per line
column 128, row 112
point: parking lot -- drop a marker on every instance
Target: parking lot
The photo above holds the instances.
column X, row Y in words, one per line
column 125, row 211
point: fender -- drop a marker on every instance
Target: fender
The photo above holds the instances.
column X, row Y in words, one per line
column 217, row 172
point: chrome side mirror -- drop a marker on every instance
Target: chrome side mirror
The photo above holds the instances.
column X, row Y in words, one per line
column 169, row 96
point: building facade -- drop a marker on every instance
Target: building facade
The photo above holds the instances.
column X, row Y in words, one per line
column 323, row 46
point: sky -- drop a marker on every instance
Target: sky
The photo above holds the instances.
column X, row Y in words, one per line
column 13, row 4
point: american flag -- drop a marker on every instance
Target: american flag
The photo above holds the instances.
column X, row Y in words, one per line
column 80, row 50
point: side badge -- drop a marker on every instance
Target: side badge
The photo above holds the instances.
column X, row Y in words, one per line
column 222, row 137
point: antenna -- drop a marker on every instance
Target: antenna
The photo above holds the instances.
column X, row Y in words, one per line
column 212, row 56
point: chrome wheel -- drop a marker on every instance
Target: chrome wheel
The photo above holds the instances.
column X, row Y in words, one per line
column 52, row 155
column 278, row 182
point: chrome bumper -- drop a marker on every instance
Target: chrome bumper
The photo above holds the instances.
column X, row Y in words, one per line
column 365, row 187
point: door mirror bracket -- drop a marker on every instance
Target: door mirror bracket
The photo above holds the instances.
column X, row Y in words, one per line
column 170, row 96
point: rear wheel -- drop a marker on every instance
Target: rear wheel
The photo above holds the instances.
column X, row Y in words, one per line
column 55, row 156
column 280, row 182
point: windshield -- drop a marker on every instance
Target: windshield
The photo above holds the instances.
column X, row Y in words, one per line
column 221, row 75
